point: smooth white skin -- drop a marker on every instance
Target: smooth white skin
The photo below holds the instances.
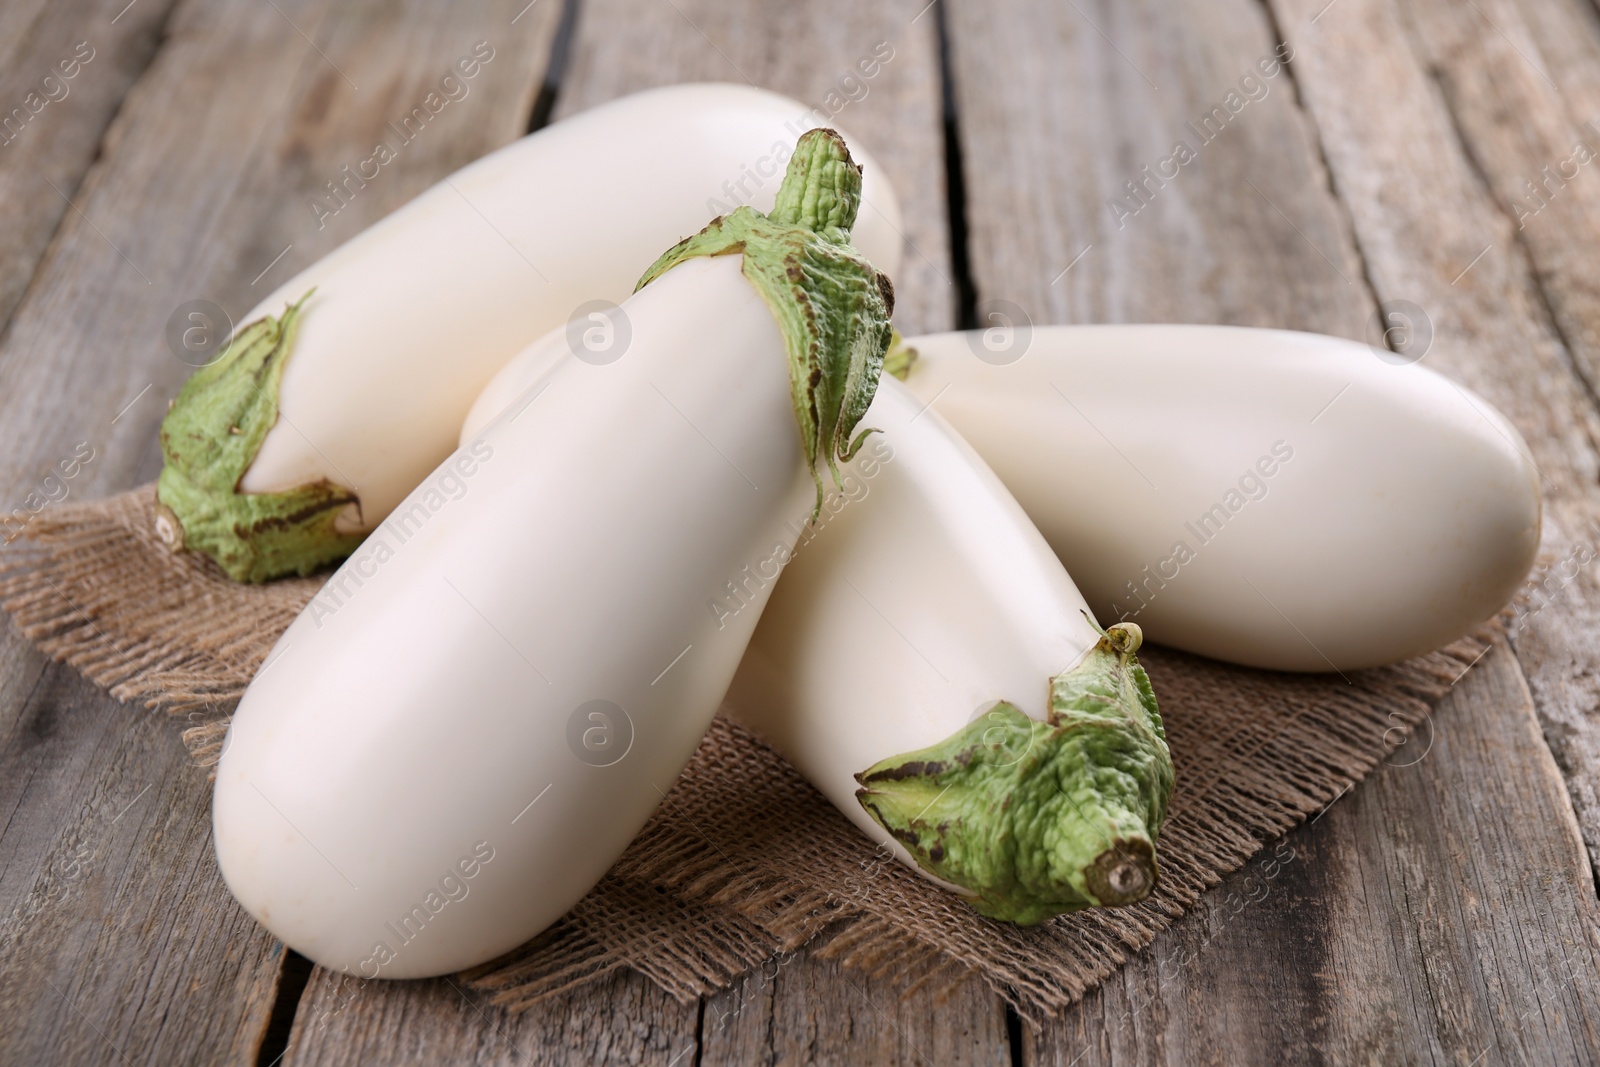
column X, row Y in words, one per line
column 419, row 718
column 515, row 380
column 923, row 598
column 413, row 316
column 1408, row 513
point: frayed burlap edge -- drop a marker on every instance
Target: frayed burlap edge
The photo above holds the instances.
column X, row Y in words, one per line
column 874, row 915
column 92, row 585
column 744, row 861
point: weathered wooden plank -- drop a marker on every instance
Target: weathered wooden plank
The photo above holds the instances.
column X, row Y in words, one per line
column 1511, row 299
column 799, row 1009
column 119, row 941
column 792, row 1009
column 1520, row 84
column 64, row 69
column 1350, row 942
column 820, row 55
column 116, row 931
column 1249, row 231
column 49, row 134
column 1071, row 119
column 620, row 1019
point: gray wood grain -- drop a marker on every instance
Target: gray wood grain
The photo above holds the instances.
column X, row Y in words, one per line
column 1397, row 935
column 51, row 129
column 1512, row 295
column 798, row 1009
column 792, row 1009
column 618, row 1020
column 118, row 940
column 1064, row 106
column 1352, row 941
column 1521, row 86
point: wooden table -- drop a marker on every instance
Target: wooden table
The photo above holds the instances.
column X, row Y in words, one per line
column 1443, row 912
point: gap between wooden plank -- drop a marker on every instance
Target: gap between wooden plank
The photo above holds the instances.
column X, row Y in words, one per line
column 555, row 67
column 293, row 975
column 1328, row 177
column 955, row 182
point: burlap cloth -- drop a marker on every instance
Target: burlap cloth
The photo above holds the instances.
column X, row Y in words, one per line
column 744, row 859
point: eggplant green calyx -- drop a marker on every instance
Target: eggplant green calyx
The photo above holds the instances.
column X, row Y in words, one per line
column 209, row 439
column 1039, row 818
column 832, row 306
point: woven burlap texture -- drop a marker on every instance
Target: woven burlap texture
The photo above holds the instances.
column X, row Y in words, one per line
column 744, row 859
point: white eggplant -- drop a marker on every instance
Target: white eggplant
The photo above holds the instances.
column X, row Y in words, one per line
column 1277, row 499
column 927, row 663
column 462, row 732
column 308, row 430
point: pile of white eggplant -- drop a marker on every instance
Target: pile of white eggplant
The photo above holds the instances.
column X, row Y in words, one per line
column 702, row 495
